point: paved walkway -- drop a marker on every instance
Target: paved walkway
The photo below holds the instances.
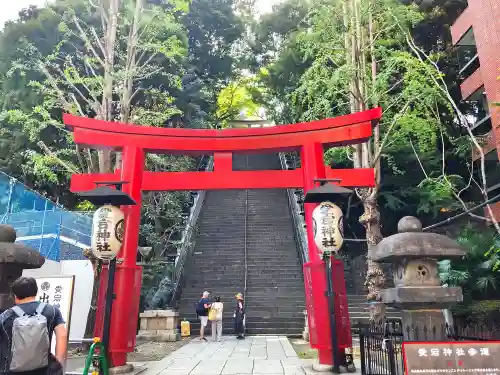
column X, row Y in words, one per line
column 269, row 355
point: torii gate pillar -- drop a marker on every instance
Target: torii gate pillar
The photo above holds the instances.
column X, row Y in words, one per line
column 128, row 276
column 314, row 168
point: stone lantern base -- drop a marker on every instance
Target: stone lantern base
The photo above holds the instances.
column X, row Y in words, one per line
column 159, row 325
column 428, row 297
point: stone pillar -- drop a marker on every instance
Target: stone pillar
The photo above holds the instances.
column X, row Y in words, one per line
column 14, row 258
column 417, row 289
column 305, row 333
column 159, row 325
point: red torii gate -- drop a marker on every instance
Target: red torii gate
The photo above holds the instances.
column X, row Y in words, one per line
column 134, row 141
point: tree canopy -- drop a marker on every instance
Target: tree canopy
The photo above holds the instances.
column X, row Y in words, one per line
column 165, row 65
column 202, row 63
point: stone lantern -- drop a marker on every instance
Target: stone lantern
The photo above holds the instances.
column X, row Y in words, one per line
column 14, row 258
column 417, row 288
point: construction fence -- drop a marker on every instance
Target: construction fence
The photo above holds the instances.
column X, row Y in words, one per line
column 43, row 225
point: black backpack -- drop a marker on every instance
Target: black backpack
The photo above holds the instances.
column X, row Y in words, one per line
column 200, row 307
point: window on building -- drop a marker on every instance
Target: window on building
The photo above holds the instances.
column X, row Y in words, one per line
column 492, row 171
column 478, row 113
column 466, row 50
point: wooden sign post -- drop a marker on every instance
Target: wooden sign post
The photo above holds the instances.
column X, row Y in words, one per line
column 57, row 291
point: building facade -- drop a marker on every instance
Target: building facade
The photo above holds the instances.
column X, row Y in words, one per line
column 476, row 36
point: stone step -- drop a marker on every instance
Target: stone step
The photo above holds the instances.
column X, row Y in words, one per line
column 282, row 291
column 253, row 315
column 278, row 298
column 211, row 267
column 389, row 314
column 215, row 260
column 366, row 308
column 228, row 329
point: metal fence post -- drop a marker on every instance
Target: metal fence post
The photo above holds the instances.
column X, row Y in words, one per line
column 362, row 351
column 391, row 356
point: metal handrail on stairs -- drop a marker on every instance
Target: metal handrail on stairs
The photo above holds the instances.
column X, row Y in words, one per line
column 246, row 245
column 187, row 246
column 298, row 220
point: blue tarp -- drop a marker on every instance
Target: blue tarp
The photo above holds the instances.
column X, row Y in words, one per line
column 42, row 224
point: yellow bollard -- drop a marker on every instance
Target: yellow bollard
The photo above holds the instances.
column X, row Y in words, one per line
column 185, row 328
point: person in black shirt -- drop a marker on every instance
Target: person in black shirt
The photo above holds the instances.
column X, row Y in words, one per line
column 202, row 311
column 25, row 290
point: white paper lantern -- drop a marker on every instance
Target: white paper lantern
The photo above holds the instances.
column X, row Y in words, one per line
column 328, row 227
column 107, row 232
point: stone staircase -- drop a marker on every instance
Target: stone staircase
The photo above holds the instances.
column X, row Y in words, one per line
column 359, row 311
column 275, row 288
column 217, row 264
column 275, row 294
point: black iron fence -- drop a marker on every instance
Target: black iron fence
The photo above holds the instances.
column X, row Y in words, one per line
column 381, row 346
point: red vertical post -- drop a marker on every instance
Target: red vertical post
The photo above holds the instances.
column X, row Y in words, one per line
column 313, row 167
column 127, row 280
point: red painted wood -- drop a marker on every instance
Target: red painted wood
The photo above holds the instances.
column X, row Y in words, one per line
column 133, row 162
column 207, row 145
column 314, row 167
column 343, row 323
column 223, row 162
column 128, row 278
column 75, row 122
column 358, row 177
column 220, row 180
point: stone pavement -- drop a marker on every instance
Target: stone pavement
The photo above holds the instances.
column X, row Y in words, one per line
column 259, row 355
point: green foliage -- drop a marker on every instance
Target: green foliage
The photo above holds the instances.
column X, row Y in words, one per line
column 236, row 100
column 183, row 60
column 436, row 194
column 401, row 86
column 85, row 206
column 424, row 156
column 477, row 272
column 478, row 311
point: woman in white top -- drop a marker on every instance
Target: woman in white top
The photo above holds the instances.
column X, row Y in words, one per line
column 218, row 306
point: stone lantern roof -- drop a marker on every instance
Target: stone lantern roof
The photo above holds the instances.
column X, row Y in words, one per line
column 15, row 253
column 411, row 242
column 14, row 258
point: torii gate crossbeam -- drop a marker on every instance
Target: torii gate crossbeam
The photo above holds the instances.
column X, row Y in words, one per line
column 135, row 141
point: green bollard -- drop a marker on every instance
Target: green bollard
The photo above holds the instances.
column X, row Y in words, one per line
column 100, row 359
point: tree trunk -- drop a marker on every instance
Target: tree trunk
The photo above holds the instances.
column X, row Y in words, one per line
column 357, row 55
column 375, row 278
column 110, row 21
column 107, row 94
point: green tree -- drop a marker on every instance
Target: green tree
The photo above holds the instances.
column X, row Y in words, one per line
column 58, row 67
column 477, row 272
column 346, row 56
column 237, row 99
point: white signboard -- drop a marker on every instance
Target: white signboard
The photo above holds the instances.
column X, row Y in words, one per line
column 58, row 292
column 107, row 232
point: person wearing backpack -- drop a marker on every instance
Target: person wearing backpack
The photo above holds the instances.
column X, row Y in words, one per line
column 26, row 332
column 202, row 311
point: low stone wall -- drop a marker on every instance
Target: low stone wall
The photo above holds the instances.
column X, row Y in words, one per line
column 159, row 325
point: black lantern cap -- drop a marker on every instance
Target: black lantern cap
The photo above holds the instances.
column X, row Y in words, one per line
column 327, row 192
column 103, row 195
